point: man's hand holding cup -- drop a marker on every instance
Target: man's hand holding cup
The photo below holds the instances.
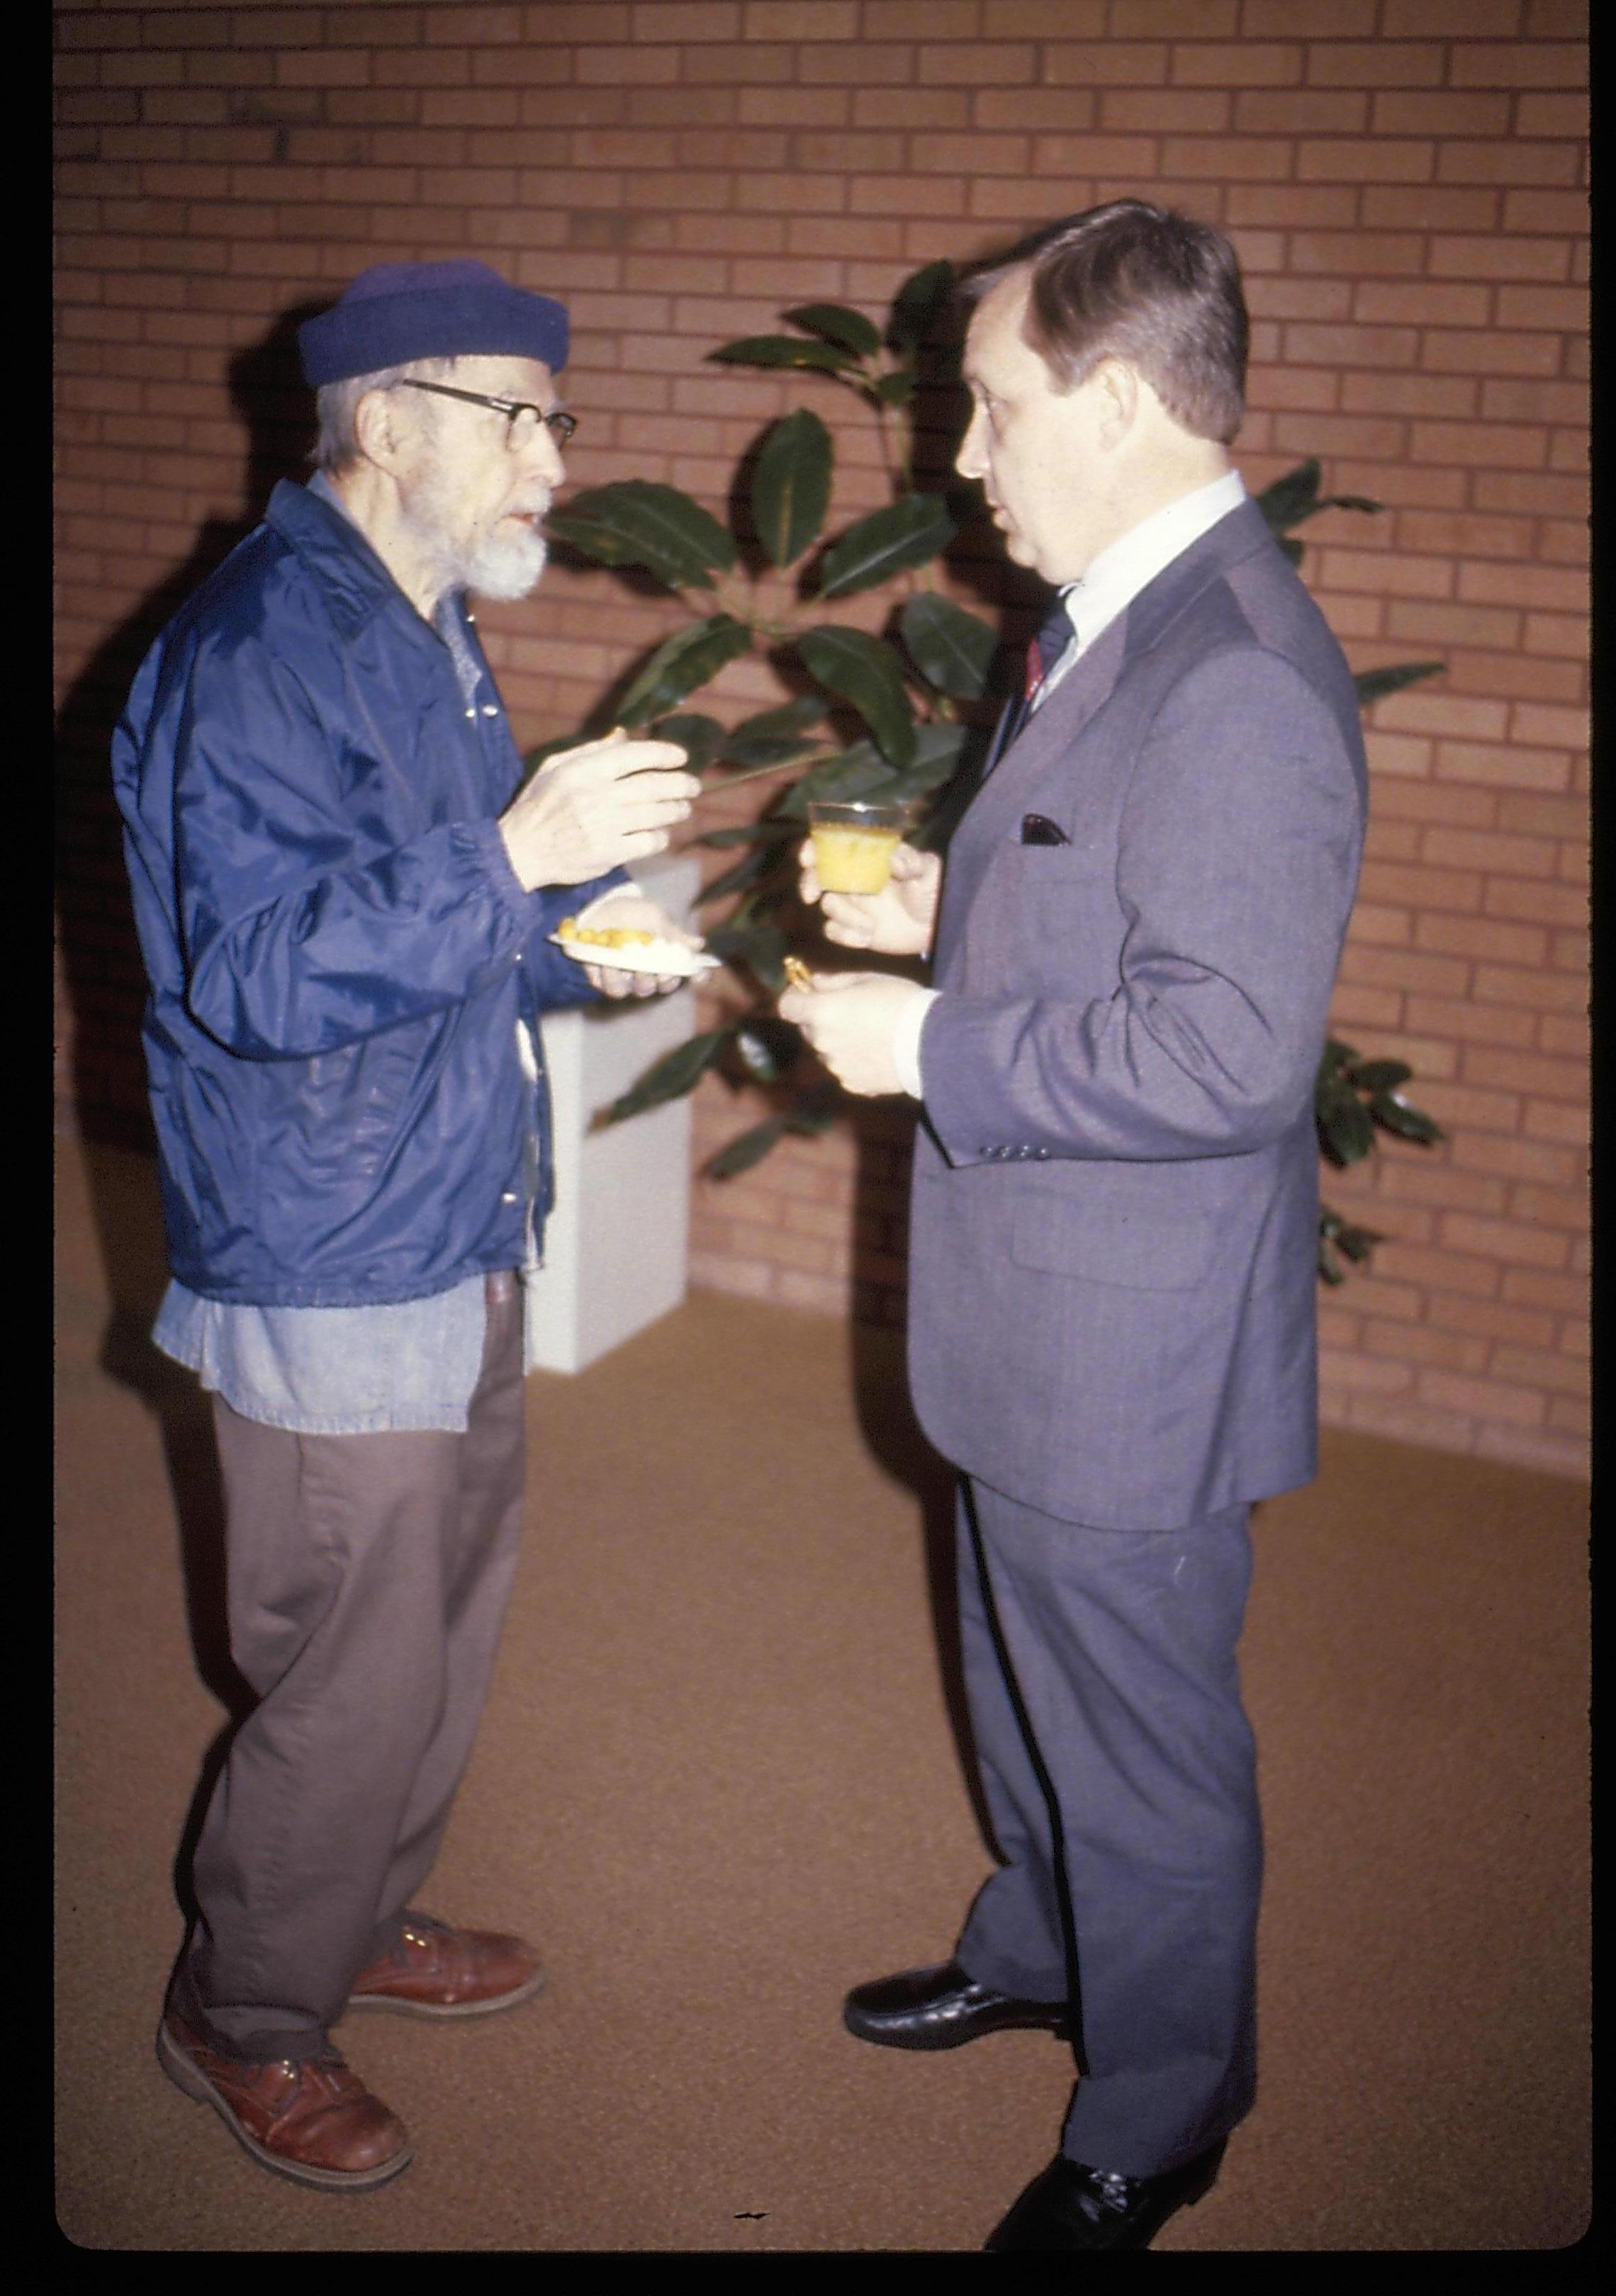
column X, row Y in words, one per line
column 894, row 915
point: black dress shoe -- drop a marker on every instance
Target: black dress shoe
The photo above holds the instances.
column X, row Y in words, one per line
column 941, row 2008
column 1071, row 2207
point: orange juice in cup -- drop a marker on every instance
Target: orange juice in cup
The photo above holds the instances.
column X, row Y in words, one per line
column 853, row 844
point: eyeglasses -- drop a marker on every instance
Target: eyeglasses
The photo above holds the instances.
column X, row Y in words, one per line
column 521, row 419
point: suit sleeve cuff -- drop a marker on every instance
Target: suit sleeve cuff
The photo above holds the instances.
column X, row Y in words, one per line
column 906, row 1040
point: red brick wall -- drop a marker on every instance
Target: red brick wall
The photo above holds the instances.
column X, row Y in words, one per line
column 1404, row 181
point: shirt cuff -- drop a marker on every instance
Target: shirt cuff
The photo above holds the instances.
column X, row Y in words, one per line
column 905, row 1039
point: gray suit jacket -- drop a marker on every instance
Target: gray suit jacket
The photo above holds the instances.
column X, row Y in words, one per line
column 1112, row 1258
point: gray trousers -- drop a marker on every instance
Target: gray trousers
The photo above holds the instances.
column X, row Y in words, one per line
column 367, row 1580
column 1119, row 1772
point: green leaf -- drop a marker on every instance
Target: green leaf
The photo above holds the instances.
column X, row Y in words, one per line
column 785, row 718
column 601, row 543
column 1374, row 684
column 937, row 748
column 635, row 522
column 1295, row 497
column 1357, row 1242
column 861, row 771
column 952, row 650
column 896, row 389
column 745, row 874
column 855, row 772
column 700, row 738
column 815, row 1109
column 683, row 661
column 849, row 330
column 769, row 1046
column 671, row 1077
column 752, row 832
column 1333, row 1061
column 864, row 671
column 790, row 489
column 1346, row 1131
column 773, row 735
column 1409, row 1123
column 1380, row 1075
column 742, row 1153
column 764, row 750
column 783, row 350
column 761, row 947
column 917, row 303
column 905, row 533
column 1291, row 499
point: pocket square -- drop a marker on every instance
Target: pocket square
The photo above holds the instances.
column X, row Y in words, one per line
column 1036, row 830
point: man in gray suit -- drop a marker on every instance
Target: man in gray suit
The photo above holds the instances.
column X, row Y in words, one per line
column 1112, row 1260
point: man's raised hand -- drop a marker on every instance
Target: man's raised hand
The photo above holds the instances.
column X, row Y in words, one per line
column 590, row 809
column 897, row 921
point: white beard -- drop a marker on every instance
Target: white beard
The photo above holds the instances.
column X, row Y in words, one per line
column 504, row 567
column 498, row 566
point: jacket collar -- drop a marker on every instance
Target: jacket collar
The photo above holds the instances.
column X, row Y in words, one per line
column 336, row 553
column 1239, row 535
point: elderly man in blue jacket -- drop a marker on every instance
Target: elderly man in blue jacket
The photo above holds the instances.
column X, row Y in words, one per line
column 345, row 893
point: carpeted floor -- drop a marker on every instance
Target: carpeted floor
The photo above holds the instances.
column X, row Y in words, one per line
column 718, row 1782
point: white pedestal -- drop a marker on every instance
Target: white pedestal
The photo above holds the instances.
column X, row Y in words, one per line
column 615, row 1244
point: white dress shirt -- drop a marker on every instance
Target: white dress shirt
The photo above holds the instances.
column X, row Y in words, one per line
column 1114, row 580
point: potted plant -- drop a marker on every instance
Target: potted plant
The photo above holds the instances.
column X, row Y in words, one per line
column 881, row 715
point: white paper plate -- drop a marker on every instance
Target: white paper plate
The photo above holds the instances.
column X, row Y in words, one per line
column 663, row 956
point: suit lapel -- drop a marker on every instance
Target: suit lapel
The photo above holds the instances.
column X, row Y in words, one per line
column 1052, row 729
column 1021, row 749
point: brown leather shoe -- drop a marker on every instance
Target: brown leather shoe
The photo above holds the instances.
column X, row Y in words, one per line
column 439, row 1972
column 314, row 2121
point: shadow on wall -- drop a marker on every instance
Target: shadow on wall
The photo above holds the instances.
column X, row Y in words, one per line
column 105, row 983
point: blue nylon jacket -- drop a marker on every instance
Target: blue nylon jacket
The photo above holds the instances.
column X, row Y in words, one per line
column 338, row 948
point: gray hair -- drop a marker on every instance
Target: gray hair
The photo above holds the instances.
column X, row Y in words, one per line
column 337, row 407
column 1143, row 285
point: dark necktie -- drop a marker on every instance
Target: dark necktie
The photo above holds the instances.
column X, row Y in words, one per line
column 1043, row 653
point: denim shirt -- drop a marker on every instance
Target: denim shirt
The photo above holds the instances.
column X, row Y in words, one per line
column 342, row 1371
column 334, row 1371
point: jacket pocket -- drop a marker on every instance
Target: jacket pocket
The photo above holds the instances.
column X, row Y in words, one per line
column 1097, row 1247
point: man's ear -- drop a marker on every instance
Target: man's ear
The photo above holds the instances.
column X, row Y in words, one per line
column 1116, row 387
column 382, row 432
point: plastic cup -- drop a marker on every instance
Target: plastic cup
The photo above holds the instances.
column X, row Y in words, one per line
column 853, row 844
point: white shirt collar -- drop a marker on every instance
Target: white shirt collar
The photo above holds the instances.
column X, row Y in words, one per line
column 1136, row 558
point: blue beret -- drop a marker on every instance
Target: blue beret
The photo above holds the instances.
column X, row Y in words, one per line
column 397, row 312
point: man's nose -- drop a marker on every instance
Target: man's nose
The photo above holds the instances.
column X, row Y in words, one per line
column 970, row 462
column 543, row 454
